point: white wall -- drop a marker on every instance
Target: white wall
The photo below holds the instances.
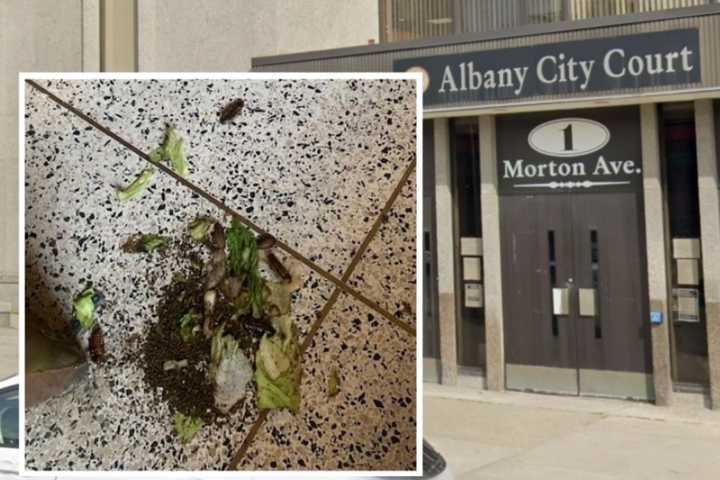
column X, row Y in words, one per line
column 35, row 35
column 219, row 35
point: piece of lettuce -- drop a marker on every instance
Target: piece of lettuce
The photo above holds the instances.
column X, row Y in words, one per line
column 244, row 262
column 137, row 186
column 189, row 326
column 84, row 308
column 200, row 228
column 277, row 368
column 187, row 426
column 230, row 371
column 333, row 383
column 173, row 149
column 152, row 242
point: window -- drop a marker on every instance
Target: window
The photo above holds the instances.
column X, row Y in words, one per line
column 402, row 20
column 9, row 422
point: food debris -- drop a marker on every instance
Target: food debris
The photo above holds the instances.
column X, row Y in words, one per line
column 145, row 243
column 136, row 187
column 232, row 110
column 84, row 307
column 189, row 326
column 223, row 326
column 187, row 426
column 200, row 228
column 243, row 261
column 84, row 326
column 277, row 368
column 174, row 364
column 173, row 149
column 230, row 370
column 333, row 383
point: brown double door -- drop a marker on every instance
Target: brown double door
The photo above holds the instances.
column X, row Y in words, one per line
column 575, row 294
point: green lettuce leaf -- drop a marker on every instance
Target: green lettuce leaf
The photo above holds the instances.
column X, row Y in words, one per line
column 243, row 260
column 277, row 368
column 200, row 228
column 188, row 326
column 174, row 150
column 187, row 426
column 137, row 186
column 153, row 242
column 84, row 307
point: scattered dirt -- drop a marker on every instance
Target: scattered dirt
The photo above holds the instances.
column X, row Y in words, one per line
column 189, row 390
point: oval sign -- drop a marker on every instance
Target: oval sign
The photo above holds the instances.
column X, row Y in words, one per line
column 569, row 137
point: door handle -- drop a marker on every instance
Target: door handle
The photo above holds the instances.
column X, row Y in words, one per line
column 587, row 299
column 561, row 301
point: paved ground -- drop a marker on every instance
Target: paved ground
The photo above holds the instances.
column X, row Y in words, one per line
column 488, row 435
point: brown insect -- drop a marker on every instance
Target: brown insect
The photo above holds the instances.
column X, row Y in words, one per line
column 277, row 267
column 97, row 345
column 265, row 241
column 232, row 110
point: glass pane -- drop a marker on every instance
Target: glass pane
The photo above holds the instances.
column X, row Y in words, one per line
column 9, row 423
column 689, row 332
column 464, row 144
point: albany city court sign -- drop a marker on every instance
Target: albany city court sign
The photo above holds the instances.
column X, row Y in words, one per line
column 595, row 150
column 603, row 64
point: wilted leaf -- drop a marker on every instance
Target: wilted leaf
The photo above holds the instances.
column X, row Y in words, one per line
column 277, row 368
column 137, row 186
column 230, row 371
column 187, row 426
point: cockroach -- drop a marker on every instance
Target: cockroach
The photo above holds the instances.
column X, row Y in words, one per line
column 277, row 267
column 97, row 345
column 217, row 236
column 265, row 241
column 232, row 110
column 258, row 327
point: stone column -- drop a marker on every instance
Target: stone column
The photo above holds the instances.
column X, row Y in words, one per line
column 709, row 197
column 490, row 208
column 656, row 244
column 90, row 35
column 445, row 253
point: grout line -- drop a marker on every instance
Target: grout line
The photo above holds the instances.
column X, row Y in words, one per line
column 379, row 220
column 218, row 203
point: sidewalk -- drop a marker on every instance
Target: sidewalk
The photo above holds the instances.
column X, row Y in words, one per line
column 490, row 435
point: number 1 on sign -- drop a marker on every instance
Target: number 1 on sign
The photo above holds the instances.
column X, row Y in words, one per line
column 567, row 134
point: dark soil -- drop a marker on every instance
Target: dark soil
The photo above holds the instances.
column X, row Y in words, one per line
column 188, row 390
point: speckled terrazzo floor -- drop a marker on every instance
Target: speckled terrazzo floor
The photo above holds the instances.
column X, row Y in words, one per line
column 316, row 164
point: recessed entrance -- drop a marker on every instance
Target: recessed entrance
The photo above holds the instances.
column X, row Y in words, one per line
column 575, row 297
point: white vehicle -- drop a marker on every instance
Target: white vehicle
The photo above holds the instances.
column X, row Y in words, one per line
column 434, row 466
column 9, row 428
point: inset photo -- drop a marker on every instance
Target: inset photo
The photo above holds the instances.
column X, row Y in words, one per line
column 220, row 273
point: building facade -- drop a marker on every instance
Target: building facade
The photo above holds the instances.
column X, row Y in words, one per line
column 571, row 193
